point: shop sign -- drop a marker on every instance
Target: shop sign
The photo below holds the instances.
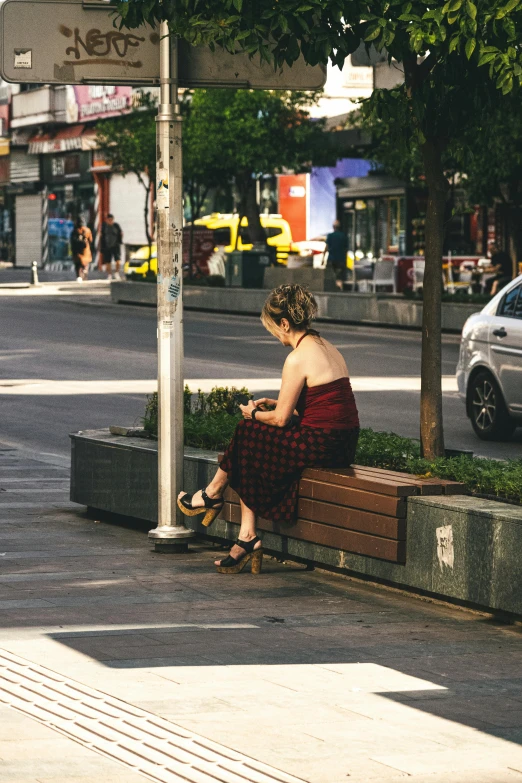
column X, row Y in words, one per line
column 95, row 101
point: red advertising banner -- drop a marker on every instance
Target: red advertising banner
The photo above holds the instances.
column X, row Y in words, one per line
column 96, row 101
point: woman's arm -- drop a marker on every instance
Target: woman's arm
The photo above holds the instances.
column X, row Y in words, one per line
column 265, row 402
column 292, row 382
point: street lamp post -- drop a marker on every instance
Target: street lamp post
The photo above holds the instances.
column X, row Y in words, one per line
column 170, row 534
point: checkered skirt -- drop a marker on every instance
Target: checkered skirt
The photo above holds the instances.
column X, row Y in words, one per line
column 264, row 463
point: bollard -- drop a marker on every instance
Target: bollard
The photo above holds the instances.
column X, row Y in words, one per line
column 34, row 274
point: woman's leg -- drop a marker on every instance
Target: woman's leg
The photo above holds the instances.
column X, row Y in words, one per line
column 214, row 490
column 247, row 532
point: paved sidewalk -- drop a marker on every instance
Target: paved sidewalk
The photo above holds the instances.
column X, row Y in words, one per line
column 120, row 664
column 85, row 290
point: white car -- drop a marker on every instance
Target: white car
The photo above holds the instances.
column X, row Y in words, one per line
column 489, row 371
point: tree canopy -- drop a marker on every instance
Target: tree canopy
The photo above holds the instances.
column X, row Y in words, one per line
column 323, row 30
column 452, row 53
column 243, row 134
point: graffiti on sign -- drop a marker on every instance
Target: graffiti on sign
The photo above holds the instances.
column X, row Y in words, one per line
column 108, row 48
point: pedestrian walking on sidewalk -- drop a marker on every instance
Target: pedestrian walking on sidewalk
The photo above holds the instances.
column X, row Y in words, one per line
column 502, row 265
column 81, row 242
column 313, row 423
column 337, row 250
column 110, row 247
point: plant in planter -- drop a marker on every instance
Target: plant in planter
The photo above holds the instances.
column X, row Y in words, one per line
column 210, row 419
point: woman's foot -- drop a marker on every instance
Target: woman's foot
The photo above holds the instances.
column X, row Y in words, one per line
column 242, row 553
column 237, row 552
column 197, row 498
column 201, row 503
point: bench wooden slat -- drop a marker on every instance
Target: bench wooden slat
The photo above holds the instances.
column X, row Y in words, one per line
column 390, row 505
column 447, row 486
column 337, row 516
column 347, row 477
column 331, row 536
column 351, row 519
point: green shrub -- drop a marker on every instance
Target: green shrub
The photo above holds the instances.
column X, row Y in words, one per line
column 210, row 421
column 211, row 432
column 490, row 477
column 150, row 420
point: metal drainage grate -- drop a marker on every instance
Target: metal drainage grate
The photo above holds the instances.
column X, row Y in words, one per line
column 155, row 748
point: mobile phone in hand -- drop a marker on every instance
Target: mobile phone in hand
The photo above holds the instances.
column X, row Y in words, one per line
column 243, row 399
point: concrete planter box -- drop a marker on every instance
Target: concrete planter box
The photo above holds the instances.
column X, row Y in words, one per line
column 459, row 548
column 375, row 309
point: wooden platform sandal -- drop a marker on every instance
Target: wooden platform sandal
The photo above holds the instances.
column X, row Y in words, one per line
column 211, row 508
column 229, row 565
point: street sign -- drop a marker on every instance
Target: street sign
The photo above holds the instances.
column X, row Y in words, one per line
column 61, row 42
column 200, row 67
column 69, row 42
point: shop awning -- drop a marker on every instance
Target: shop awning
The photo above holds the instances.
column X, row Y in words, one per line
column 74, row 137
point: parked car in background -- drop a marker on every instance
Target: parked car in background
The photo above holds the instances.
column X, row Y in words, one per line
column 489, row 371
column 311, row 248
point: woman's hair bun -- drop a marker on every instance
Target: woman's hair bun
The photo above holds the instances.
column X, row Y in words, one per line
column 293, row 302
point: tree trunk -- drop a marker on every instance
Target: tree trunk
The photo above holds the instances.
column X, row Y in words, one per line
column 431, row 425
column 246, row 184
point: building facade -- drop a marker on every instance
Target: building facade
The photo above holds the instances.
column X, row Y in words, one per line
column 55, row 173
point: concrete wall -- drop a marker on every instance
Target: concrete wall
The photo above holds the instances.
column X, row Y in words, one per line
column 458, row 547
column 375, row 309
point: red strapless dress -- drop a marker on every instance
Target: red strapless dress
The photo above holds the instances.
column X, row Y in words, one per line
column 264, row 463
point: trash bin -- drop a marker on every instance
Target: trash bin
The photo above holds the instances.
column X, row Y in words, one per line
column 246, row 268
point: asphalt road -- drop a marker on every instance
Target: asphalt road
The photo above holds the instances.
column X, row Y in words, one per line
column 62, row 340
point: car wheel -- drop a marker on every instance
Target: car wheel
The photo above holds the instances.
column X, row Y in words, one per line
column 487, row 409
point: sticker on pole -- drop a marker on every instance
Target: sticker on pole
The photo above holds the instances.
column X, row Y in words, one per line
column 162, row 190
column 173, row 289
column 23, row 58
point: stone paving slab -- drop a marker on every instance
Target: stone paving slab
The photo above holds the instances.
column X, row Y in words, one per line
column 323, row 678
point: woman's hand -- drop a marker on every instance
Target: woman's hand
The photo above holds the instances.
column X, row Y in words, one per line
column 265, row 402
column 246, row 410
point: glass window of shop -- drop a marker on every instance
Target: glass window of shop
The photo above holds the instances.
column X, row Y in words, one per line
column 375, row 226
column 70, row 195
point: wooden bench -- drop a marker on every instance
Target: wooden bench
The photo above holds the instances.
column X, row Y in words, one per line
column 359, row 509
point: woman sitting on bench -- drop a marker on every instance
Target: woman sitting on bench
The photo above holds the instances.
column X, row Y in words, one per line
column 313, row 423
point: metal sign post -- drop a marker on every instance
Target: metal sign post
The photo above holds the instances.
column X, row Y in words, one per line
column 171, row 534
column 70, row 42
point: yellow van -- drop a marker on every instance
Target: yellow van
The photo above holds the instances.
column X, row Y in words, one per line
column 225, row 229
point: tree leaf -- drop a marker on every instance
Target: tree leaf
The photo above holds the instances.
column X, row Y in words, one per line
column 509, row 27
column 471, row 9
column 470, row 47
column 510, row 6
column 486, row 58
column 372, row 33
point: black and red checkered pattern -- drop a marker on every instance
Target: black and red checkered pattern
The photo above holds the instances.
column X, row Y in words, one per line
column 264, row 463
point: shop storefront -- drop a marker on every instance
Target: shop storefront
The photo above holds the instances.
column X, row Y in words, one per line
column 384, row 217
column 69, row 186
column 373, row 213
column 6, row 205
